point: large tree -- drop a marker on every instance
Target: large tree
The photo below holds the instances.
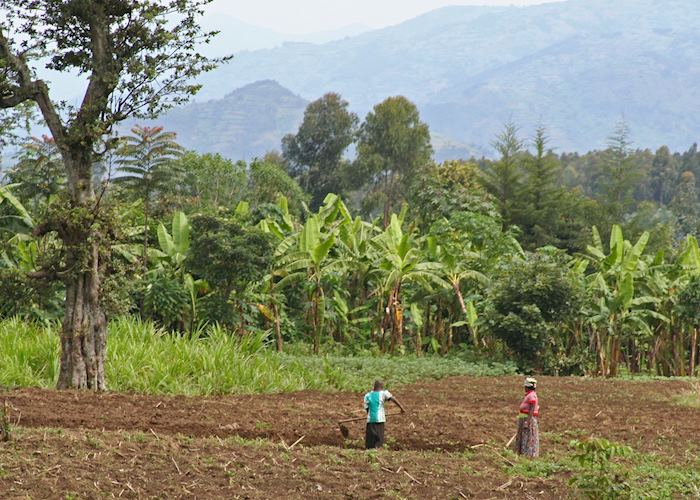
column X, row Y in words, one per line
column 619, row 176
column 315, row 152
column 136, row 57
column 663, row 176
column 686, row 206
column 393, row 144
column 504, row 177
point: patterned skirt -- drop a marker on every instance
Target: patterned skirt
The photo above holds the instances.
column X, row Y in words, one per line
column 527, row 440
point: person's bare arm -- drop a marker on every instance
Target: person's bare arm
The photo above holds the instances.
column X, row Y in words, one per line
column 403, row 410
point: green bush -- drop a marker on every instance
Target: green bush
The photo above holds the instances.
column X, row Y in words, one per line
column 598, row 480
column 164, row 300
column 529, row 305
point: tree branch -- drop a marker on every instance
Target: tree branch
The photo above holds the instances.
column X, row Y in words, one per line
column 103, row 77
column 36, row 90
column 16, row 97
column 44, row 228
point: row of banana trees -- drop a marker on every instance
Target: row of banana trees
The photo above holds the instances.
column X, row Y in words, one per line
column 643, row 310
column 358, row 278
column 640, row 311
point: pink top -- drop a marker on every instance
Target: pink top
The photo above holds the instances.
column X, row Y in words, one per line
column 530, row 398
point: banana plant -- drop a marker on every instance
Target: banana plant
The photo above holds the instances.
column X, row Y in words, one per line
column 456, row 271
column 282, row 225
column 666, row 280
column 174, row 247
column 306, row 257
column 401, row 261
column 354, row 245
column 618, row 310
column 21, row 220
column 170, row 259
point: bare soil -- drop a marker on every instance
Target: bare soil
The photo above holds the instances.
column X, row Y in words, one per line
column 449, row 444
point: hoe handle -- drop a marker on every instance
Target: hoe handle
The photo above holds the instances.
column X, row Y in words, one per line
column 357, row 419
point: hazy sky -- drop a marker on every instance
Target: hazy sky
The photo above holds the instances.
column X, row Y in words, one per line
column 305, row 16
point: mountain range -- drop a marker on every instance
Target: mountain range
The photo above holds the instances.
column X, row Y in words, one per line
column 576, row 66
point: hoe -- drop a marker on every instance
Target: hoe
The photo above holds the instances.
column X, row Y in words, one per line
column 346, row 432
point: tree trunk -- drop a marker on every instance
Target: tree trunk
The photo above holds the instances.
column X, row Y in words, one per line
column 675, row 353
column 278, row 327
column 614, row 357
column 419, row 341
column 602, row 361
column 397, row 319
column 693, row 351
column 84, row 336
column 681, row 352
column 314, row 318
column 460, row 297
column 144, row 257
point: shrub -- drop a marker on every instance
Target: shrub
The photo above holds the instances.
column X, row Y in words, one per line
column 597, row 479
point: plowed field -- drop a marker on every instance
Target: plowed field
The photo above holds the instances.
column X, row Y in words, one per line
column 448, row 445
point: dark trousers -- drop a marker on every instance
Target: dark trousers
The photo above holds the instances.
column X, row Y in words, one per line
column 374, row 435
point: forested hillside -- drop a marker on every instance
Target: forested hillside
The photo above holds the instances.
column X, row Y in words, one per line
column 244, row 124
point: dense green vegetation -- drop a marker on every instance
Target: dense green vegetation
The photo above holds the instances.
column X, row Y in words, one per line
column 351, row 236
column 146, row 359
column 498, row 258
column 600, row 469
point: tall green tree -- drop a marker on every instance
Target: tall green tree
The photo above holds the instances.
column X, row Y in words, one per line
column 530, row 302
column 663, row 176
column 543, row 172
column 210, row 181
column 542, row 213
column 686, row 205
column 441, row 190
column 230, row 257
column 268, row 182
column 503, row 179
column 619, row 175
column 135, row 59
column 393, row 145
column 146, row 162
column 315, row 152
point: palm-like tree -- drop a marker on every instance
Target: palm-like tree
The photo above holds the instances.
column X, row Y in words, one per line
column 456, row 271
column 306, row 257
column 146, row 166
column 617, row 307
column 401, row 261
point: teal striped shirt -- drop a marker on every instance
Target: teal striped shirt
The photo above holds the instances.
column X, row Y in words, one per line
column 374, row 405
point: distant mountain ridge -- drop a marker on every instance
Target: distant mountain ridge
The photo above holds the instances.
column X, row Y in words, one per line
column 576, row 66
column 236, row 36
column 246, row 123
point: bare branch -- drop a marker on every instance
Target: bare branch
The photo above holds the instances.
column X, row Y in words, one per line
column 31, row 89
column 14, row 98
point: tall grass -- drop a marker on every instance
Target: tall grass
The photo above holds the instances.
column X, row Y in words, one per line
column 145, row 359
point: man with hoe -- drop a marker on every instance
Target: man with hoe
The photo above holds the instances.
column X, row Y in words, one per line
column 376, row 416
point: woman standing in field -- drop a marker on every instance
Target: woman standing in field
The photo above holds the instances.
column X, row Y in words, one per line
column 527, row 440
